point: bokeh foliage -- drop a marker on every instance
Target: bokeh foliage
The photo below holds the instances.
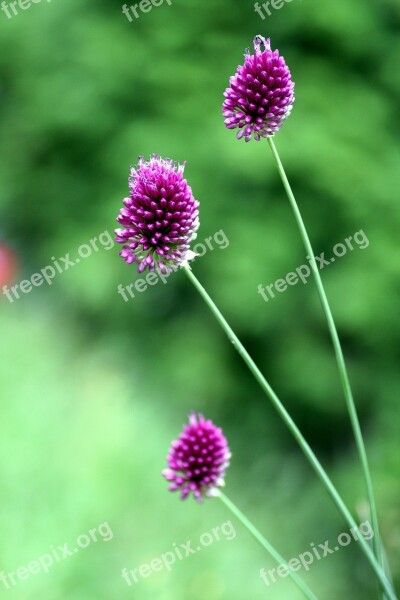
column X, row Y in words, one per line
column 93, row 389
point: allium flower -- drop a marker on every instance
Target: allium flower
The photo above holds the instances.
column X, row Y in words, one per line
column 261, row 94
column 198, row 459
column 160, row 217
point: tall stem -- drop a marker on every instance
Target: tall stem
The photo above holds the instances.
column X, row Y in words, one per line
column 338, row 352
column 294, row 430
column 265, row 544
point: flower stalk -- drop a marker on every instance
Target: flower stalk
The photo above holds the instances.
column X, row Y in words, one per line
column 338, row 353
column 264, row 543
column 197, row 462
column 313, row 460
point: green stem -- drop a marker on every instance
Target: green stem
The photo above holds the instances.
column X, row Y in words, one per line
column 265, row 544
column 294, row 430
column 339, row 355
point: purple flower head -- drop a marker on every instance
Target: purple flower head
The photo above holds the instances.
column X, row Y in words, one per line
column 160, row 217
column 198, row 459
column 260, row 95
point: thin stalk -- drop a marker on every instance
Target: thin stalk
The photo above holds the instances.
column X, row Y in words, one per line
column 265, row 544
column 339, row 356
column 344, row 511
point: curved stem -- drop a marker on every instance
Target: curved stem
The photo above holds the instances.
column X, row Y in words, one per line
column 339, row 355
column 294, row 430
column 265, row 544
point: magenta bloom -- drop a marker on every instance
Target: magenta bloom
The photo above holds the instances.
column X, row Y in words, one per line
column 261, row 94
column 160, row 217
column 198, row 459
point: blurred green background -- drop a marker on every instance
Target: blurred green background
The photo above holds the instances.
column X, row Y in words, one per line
column 94, row 389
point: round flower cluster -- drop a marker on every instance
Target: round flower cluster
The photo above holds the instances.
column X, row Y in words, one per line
column 198, row 459
column 160, row 217
column 260, row 95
